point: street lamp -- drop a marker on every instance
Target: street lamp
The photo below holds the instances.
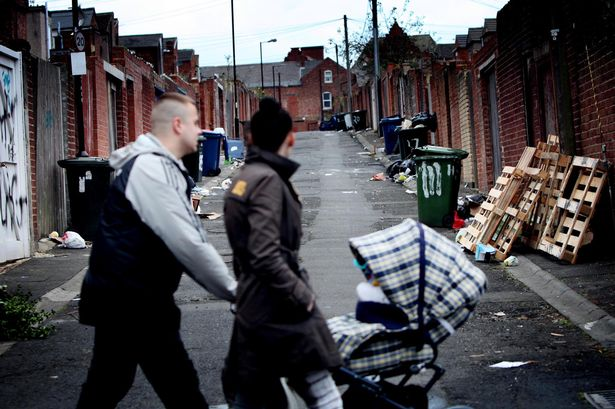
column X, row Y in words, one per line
column 273, row 40
column 236, row 130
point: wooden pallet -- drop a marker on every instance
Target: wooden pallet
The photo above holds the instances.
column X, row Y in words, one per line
column 557, row 170
column 549, row 159
column 509, row 225
column 568, row 222
column 498, row 200
column 475, row 232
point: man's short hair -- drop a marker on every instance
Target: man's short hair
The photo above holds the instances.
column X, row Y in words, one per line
column 169, row 106
column 175, row 96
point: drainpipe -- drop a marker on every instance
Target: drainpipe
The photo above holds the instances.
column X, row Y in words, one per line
column 563, row 93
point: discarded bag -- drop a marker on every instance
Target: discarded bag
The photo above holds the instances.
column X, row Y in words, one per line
column 511, row 261
column 72, row 240
column 406, row 166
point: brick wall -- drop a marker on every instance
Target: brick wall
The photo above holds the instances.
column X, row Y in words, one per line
column 188, row 69
column 137, row 73
column 207, row 95
column 513, row 34
column 13, row 23
column 170, row 56
column 30, row 68
column 454, row 104
column 465, row 127
column 440, row 103
column 96, row 109
column 68, row 101
column 524, row 32
column 303, row 103
column 594, row 119
column 482, row 129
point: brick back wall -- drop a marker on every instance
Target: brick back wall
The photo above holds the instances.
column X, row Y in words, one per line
column 594, row 119
column 99, row 110
column 131, row 111
column 523, row 32
column 465, row 130
column 122, row 115
column 206, row 107
column 439, row 103
column 30, row 68
column 455, row 110
column 484, row 144
column 211, row 108
column 147, row 93
column 308, row 96
column 139, row 96
column 513, row 34
column 69, row 108
column 482, row 129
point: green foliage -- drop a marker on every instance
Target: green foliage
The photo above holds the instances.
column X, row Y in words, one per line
column 19, row 319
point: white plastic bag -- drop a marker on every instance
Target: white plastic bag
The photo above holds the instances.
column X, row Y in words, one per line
column 511, row 261
column 72, row 240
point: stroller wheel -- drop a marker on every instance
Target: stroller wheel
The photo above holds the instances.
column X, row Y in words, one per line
column 358, row 398
column 410, row 397
column 413, row 396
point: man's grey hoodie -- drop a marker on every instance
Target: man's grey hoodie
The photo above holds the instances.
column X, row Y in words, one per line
column 148, row 235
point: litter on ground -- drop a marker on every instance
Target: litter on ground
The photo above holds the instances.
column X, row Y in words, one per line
column 509, row 364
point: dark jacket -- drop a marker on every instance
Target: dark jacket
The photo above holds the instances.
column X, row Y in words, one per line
column 147, row 237
column 274, row 333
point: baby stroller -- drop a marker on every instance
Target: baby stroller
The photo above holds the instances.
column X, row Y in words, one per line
column 429, row 279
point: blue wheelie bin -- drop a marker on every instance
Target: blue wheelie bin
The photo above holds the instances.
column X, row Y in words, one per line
column 211, row 153
column 387, row 130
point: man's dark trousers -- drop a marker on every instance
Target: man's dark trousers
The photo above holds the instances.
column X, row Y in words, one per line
column 160, row 353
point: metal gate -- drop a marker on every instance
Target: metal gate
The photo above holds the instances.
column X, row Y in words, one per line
column 50, row 147
column 14, row 198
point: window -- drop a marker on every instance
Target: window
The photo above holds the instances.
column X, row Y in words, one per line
column 328, row 77
column 326, row 100
column 301, row 70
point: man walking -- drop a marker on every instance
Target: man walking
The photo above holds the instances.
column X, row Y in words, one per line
column 148, row 236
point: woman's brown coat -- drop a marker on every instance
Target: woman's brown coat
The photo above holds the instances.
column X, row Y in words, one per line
column 274, row 333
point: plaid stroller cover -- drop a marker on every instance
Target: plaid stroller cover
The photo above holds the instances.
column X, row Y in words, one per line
column 444, row 292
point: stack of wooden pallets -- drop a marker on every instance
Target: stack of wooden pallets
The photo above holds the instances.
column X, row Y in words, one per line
column 548, row 197
column 565, row 231
column 556, row 165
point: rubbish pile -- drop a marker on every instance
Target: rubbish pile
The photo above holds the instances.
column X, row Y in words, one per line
column 548, row 199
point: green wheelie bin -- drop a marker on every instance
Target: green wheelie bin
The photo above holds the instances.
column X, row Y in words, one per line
column 438, row 175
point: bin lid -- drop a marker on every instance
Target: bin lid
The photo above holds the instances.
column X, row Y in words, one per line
column 212, row 135
column 391, row 119
column 88, row 161
column 437, row 158
column 410, row 132
column 431, row 150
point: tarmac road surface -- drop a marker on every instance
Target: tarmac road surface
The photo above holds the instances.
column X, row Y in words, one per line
column 512, row 323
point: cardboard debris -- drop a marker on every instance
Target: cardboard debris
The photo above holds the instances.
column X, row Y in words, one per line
column 209, row 216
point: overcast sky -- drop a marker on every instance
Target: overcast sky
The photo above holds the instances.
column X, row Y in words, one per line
column 205, row 25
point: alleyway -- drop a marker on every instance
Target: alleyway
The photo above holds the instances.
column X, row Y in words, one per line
column 512, row 323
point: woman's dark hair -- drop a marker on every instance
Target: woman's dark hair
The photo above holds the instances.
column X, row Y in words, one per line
column 270, row 125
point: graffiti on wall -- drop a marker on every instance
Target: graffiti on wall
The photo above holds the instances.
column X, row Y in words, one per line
column 13, row 202
column 7, row 113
